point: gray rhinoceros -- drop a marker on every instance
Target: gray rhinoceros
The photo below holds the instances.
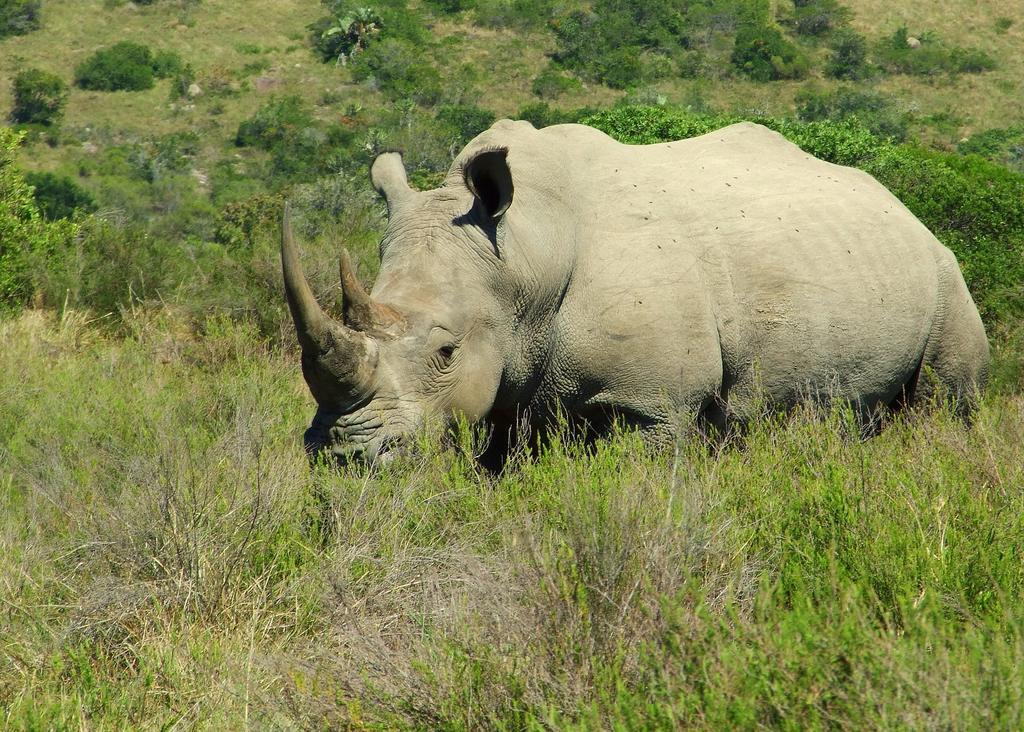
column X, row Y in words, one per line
column 559, row 271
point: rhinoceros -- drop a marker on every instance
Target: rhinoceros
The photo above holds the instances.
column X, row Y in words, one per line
column 558, row 271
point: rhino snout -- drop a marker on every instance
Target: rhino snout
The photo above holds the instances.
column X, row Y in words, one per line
column 351, row 439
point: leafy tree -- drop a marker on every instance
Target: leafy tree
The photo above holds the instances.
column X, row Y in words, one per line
column 618, row 41
column 27, row 241
column 59, row 197
column 929, row 57
column 466, row 120
column 349, row 28
column 849, row 57
column 818, row 17
column 39, row 97
column 347, row 35
column 398, row 69
column 874, row 110
column 764, row 54
column 18, row 17
column 124, row 66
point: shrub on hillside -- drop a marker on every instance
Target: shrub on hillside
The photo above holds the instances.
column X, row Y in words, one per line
column 899, row 55
column 39, row 97
column 274, row 122
column 452, row 6
column 467, row 121
column 764, row 54
column 339, row 38
column 167, row 64
column 28, row 243
column 398, row 69
column 18, row 17
column 239, row 222
column 58, row 196
column 818, row 17
column 849, row 56
column 621, row 43
column 522, row 14
column 1003, row 146
column 299, row 146
column 874, row 110
column 125, row 66
column 350, row 28
column 552, row 83
column 542, row 114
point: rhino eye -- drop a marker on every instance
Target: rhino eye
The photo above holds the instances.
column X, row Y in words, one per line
column 445, row 353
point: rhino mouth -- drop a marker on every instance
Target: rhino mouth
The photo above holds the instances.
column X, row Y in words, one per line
column 356, row 439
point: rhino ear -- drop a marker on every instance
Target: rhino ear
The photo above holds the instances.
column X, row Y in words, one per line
column 489, row 179
column 387, row 174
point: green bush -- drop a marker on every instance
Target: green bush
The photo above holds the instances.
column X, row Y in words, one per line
column 181, row 81
column 58, row 196
column 125, row 66
column 542, row 114
column 239, row 223
column 1003, row 146
column 552, row 83
column 339, row 38
column 521, row 14
column 895, row 55
column 28, row 243
column 166, row 64
column 39, row 97
column 818, row 17
column 18, row 17
column 619, row 42
column 351, row 28
column 764, row 54
column 298, row 144
column 452, row 6
column 274, row 122
column 874, row 110
column 849, row 56
column 397, row 68
column 970, row 204
column 466, row 120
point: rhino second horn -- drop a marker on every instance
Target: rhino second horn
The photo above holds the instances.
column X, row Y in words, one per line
column 361, row 312
column 348, row 356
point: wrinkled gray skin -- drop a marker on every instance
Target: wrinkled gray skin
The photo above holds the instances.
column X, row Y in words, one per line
column 558, row 270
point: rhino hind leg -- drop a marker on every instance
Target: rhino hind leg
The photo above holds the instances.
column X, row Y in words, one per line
column 955, row 363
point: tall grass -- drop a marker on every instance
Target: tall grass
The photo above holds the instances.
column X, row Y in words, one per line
column 167, row 557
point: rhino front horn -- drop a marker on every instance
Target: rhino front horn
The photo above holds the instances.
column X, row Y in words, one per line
column 347, row 356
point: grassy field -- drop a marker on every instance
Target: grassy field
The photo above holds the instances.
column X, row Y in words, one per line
column 167, row 559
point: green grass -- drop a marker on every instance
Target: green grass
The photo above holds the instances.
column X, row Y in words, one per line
column 167, row 557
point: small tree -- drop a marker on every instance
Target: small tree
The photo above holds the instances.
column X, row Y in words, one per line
column 345, row 36
column 18, row 17
column 39, row 97
column 764, row 54
column 27, row 241
column 124, row 66
column 59, row 197
column 849, row 58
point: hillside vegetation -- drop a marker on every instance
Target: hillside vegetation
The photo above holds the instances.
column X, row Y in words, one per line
column 167, row 556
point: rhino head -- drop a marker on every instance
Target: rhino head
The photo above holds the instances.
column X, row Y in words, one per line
column 427, row 343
